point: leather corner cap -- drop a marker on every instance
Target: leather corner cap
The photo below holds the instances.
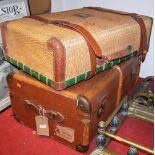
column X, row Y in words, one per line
column 59, row 85
column 55, row 45
column 84, row 104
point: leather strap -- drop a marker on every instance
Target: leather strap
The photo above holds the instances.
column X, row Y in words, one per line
column 41, row 111
column 86, row 34
column 143, row 43
column 94, row 49
column 116, row 55
column 121, row 78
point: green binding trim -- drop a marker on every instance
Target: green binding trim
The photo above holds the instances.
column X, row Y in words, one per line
column 20, row 65
column 70, row 82
column 99, row 69
column 49, row 82
column 81, row 77
column 27, row 69
column 74, row 80
column 108, row 65
column 14, row 62
column 88, row 75
column 42, row 78
column 34, row 74
column 117, row 61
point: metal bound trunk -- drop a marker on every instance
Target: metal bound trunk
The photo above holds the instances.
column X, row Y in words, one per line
column 73, row 114
column 62, row 49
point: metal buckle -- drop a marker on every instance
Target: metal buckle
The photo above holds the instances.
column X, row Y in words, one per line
column 60, row 23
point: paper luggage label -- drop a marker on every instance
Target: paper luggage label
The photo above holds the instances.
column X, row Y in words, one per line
column 42, row 125
column 65, row 133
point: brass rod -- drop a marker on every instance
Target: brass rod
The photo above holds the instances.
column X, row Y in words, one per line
column 148, row 150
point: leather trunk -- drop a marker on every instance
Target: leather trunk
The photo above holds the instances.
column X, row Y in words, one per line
column 55, row 44
column 73, row 114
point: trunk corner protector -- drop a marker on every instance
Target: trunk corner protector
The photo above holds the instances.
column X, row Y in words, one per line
column 56, row 46
column 84, row 104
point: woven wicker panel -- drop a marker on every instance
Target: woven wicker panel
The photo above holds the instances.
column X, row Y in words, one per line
column 27, row 39
column 29, row 46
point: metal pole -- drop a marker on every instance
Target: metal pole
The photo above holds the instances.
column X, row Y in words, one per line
column 148, row 150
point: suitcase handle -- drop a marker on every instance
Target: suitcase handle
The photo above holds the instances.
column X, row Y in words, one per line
column 54, row 115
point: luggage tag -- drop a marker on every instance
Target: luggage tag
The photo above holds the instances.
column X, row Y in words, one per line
column 42, row 123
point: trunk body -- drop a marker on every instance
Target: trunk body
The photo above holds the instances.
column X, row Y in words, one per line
column 76, row 110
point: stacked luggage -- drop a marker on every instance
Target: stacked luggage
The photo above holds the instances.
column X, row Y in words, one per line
column 90, row 57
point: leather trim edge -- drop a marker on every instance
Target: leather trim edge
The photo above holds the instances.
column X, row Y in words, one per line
column 121, row 78
column 59, row 65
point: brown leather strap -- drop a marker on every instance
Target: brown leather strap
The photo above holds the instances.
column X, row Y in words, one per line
column 75, row 27
column 139, row 20
column 116, row 55
column 143, row 44
column 121, row 78
column 41, row 111
column 94, row 49
column 86, row 34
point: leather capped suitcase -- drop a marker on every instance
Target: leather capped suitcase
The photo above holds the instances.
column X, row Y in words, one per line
column 73, row 113
column 62, row 49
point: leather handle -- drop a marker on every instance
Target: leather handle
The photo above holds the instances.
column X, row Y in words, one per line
column 143, row 43
column 41, row 111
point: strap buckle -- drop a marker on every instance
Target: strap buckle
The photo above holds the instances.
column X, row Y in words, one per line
column 59, row 23
column 51, row 114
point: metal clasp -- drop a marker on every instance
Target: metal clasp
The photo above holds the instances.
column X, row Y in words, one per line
column 57, row 116
column 60, row 23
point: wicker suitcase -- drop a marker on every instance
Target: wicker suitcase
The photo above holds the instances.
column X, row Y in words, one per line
column 73, row 114
column 65, row 48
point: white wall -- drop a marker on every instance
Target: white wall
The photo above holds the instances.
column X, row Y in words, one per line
column 145, row 7
column 56, row 5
